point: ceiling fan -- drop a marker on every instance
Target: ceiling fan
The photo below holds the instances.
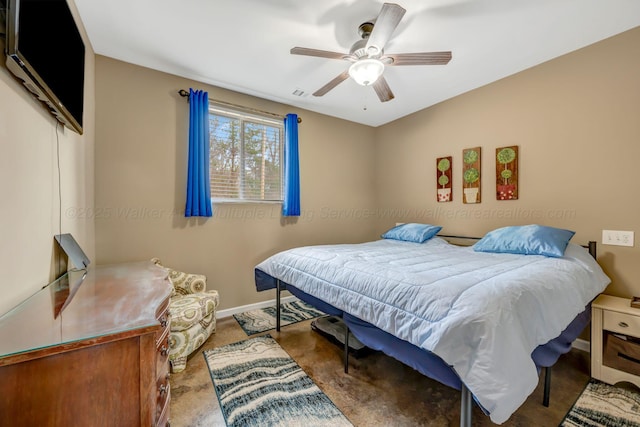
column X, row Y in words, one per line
column 368, row 57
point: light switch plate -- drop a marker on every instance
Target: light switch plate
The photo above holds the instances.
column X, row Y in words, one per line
column 617, row 237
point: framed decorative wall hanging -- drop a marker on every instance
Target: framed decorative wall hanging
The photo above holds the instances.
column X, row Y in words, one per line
column 443, row 177
column 507, row 173
column 471, row 175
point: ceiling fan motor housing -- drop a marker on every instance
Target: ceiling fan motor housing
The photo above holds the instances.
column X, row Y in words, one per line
column 359, row 48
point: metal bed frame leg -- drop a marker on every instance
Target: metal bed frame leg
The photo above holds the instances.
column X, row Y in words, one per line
column 465, row 406
column 278, row 289
column 346, row 349
column 547, row 386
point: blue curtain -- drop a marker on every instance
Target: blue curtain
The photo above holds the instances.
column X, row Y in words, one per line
column 198, row 191
column 291, row 204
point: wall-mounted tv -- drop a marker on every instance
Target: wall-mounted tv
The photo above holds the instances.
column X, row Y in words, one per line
column 45, row 50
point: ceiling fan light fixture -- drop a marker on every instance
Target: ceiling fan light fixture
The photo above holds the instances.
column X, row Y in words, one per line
column 366, row 71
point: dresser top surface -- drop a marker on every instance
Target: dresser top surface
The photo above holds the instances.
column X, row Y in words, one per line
column 86, row 304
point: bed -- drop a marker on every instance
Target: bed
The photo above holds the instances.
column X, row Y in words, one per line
column 483, row 322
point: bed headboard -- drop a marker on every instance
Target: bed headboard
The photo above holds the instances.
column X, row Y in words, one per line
column 459, row 240
column 469, row 240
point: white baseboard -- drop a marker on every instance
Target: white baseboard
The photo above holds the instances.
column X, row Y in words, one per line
column 583, row 345
column 221, row 314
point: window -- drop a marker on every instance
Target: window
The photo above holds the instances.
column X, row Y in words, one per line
column 246, row 153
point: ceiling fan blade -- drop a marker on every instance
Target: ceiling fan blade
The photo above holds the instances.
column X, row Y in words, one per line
column 319, row 53
column 420, row 58
column 333, row 83
column 386, row 22
column 383, row 90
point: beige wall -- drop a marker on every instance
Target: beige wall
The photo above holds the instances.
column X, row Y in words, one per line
column 576, row 122
column 142, row 128
column 30, row 208
column 573, row 118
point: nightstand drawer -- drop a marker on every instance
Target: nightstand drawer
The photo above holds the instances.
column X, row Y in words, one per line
column 621, row 323
column 622, row 354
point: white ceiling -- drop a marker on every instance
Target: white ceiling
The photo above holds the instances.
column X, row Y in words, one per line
column 243, row 45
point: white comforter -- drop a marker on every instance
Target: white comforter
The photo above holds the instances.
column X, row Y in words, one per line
column 482, row 313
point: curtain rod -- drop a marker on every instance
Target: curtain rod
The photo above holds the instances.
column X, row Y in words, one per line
column 185, row 94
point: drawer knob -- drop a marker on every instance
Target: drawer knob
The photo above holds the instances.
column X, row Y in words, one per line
column 164, row 350
column 163, row 389
column 623, row 324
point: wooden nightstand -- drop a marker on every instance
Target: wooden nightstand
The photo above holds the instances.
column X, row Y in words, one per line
column 615, row 340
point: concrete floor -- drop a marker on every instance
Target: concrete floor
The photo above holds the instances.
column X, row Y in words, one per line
column 378, row 391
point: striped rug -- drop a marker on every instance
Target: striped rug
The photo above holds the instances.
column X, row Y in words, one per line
column 264, row 319
column 603, row 405
column 259, row 384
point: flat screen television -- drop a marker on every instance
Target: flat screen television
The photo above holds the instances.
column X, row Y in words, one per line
column 45, row 50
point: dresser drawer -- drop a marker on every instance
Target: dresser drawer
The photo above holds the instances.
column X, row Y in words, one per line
column 164, row 317
column 163, row 307
column 162, row 355
column 163, row 397
column 621, row 323
column 163, row 418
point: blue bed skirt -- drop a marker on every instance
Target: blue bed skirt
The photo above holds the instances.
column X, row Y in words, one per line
column 420, row 359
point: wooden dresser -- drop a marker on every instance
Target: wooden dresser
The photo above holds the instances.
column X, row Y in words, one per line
column 90, row 349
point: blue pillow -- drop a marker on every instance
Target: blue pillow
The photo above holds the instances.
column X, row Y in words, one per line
column 417, row 233
column 526, row 240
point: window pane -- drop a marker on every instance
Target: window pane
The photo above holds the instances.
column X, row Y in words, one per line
column 225, row 152
column 262, row 178
column 245, row 157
